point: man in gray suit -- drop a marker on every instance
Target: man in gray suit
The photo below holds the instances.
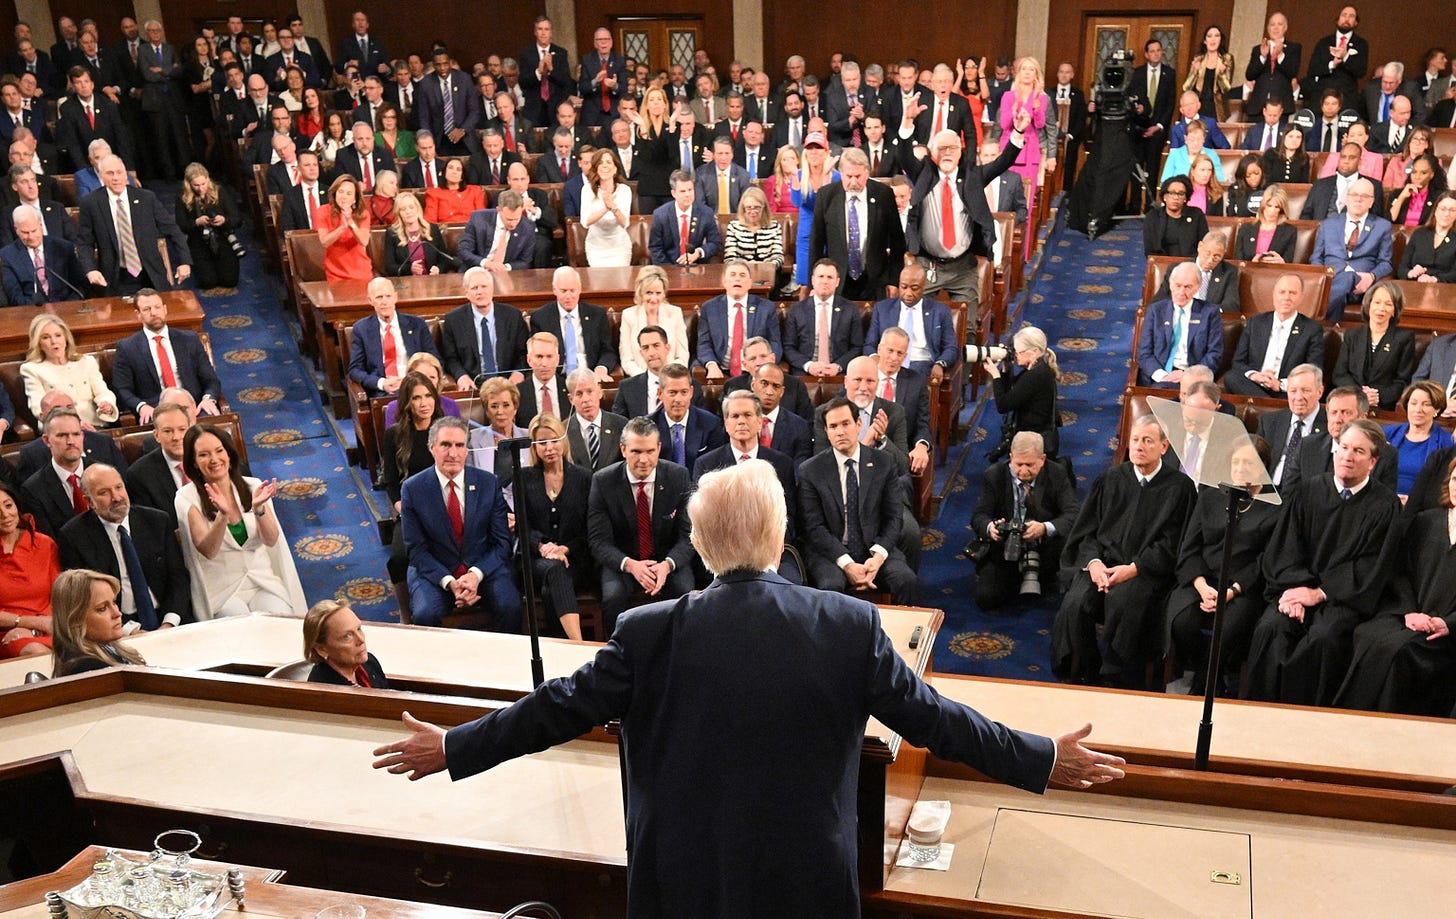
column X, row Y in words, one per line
column 595, row 435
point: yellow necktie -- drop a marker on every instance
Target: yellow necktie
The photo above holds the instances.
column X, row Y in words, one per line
column 722, row 192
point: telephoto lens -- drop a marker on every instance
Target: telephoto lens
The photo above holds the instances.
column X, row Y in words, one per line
column 975, row 354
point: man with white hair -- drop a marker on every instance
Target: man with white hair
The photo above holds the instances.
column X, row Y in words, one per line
column 1178, row 332
column 1380, row 93
column 583, row 330
column 121, row 228
column 734, row 654
column 844, row 108
column 38, row 268
column 1357, row 244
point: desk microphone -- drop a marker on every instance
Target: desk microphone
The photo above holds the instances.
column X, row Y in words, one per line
column 454, row 262
column 85, row 300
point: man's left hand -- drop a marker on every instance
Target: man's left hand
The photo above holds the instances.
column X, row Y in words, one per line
column 1077, row 766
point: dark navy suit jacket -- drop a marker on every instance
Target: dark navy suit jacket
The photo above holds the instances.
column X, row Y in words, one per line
column 703, row 431
column 366, row 354
column 60, row 262
column 1205, row 338
column 693, row 678
column 801, row 334
column 940, row 335
column 665, row 241
column 479, row 236
column 715, row 338
column 433, row 553
column 134, row 376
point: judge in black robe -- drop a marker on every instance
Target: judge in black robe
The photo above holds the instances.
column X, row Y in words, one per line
column 1336, row 548
column 1122, row 523
column 1200, row 559
column 1430, row 483
column 1405, row 657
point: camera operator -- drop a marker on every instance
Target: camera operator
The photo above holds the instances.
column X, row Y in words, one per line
column 1026, row 507
column 1028, row 400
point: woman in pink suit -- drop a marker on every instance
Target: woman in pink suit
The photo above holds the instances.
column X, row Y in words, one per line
column 1027, row 94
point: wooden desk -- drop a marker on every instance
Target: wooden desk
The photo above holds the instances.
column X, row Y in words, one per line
column 329, row 305
column 266, row 895
column 1426, row 306
column 94, row 322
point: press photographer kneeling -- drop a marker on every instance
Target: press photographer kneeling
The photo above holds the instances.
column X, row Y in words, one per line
column 1026, row 507
column 1028, row 400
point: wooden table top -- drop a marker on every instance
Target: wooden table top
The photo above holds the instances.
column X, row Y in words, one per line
column 524, row 290
column 98, row 321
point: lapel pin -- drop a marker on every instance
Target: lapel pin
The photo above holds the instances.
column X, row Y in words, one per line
column 470, row 488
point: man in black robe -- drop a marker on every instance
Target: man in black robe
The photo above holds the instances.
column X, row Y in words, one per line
column 1121, row 553
column 1324, row 568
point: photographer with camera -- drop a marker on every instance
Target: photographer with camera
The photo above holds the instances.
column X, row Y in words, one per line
column 1027, row 400
column 1026, row 507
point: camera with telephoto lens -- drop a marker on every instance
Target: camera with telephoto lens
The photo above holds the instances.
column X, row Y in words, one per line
column 1031, row 572
column 1014, row 534
column 975, row 354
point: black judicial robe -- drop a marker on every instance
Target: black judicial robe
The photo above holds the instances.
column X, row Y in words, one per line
column 1396, row 669
column 1121, row 522
column 1430, row 483
column 1341, row 547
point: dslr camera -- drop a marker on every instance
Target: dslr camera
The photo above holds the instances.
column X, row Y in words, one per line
column 975, row 354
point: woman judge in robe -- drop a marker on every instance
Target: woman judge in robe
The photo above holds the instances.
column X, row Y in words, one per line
column 1191, row 605
column 1405, row 658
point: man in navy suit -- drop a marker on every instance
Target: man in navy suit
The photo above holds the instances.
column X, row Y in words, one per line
column 545, row 75
column 112, row 265
column 751, row 657
column 1267, row 133
column 722, row 173
column 666, row 243
column 27, row 58
column 16, row 115
column 687, row 432
column 1357, row 244
column 501, row 238
column 33, row 252
column 933, row 348
column 361, row 51
column 787, row 432
column 656, row 562
column 353, row 158
column 450, row 126
column 25, row 189
column 823, row 332
column 603, row 80
column 95, row 446
column 583, row 330
column 638, row 394
column 160, row 70
column 275, row 68
column 382, row 344
column 426, row 170
column 85, row 115
column 560, row 164
column 726, row 322
column 491, row 163
column 458, row 536
column 1179, row 332
column 1438, row 365
column 1274, row 343
column 844, row 108
column 482, row 338
column 905, row 386
column 1188, row 108
column 158, row 357
column 544, row 388
column 52, row 493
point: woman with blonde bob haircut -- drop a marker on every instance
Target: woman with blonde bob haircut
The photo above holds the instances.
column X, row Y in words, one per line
column 739, row 518
column 333, row 641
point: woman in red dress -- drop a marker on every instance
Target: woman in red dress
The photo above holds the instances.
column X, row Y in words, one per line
column 343, row 227
column 29, row 562
column 453, row 201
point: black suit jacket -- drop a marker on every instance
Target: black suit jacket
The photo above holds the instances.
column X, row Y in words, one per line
column 1391, row 365
column 609, row 426
column 1421, row 249
column 895, row 443
column 559, row 81
column 596, row 332
column 1223, row 288
column 793, row 435
column 1306, row 345
column 96, row 244
column 74, row 132
column 1159, row 110
column 351, row 50
column 612, row 517
column 149, row 483
column 1442, row 114
column 134, row 377
column 84, row 544
column 884, row 239
column 836, row 116
column 296, row 214
column 796, row 398
column 1053, row 500
column 348, row 162
column 45, row 498
column 591, row 95
column 912, row 393
column 1275, row 83
column 958, row 119
column 1248, row 241
column 801, row 336
column 1317, row 458
column 527, row 409
column 460, row 350
column 822, row 511
column 96, row 448
column 58, row 223
column 1344, row 76
column 971, row 181
column 1324, row 192
column 396, row 254
column 412, row 174
column 1274, row 427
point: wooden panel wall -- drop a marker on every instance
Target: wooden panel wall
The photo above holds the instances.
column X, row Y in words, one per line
column 107, row 14
column 470, row 29
column 184, row 17
column 886, row 33
column 1399, row 33
column 717, row 22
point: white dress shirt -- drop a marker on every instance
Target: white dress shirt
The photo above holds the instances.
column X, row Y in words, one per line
column 840, row 461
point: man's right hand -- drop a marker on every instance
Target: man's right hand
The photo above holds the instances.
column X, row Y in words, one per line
column 96, row 278
column 466, row 382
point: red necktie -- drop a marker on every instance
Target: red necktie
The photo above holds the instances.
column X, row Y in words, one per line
column 733, row 129
column 735, row 353
column 429, row 175
column 183, row 473
column 391, row 353
column 644, row 524
column 368, row 172
column 887, row 392
column 361, row 677
column 1354, row 236
column 563, row 167
column 510, row 139
column 293, row 174
column 765, row 433
column 169, row 379
column 91, row 116
column 546, row 405
column 606, row 93
column 939, row 119
column 457, row 524
column 947, row 217
column 683, row 234
column 545, row 80
column 78, row 497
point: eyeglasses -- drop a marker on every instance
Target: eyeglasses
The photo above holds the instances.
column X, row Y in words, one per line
column 1175, row 193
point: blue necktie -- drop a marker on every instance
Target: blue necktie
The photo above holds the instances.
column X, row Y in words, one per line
column 141, row 596
column 854, row 527
column 569, row 333
column 1384, row 107
column 487, row 349
column 1177, row 337
column 856, row 259
column 753, row 165
column 679, row 455
column 687, row 155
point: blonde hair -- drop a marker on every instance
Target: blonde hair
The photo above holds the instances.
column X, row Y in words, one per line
column 315, row 624
column 208, row 197
column 1276, row 194
column 1038, row 87
column 1215, row 187
column 37, row 325
column 495, row 386
column 754, row 193
column 738, row 518
column 546, row 421
column 425, row 357
column 778, row 168
column 70, row 602
column 400, row 200
column 1032, row 337
column 647, row 274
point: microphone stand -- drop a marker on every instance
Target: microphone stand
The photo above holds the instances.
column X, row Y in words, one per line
column 523, row 526
column 1237, row 496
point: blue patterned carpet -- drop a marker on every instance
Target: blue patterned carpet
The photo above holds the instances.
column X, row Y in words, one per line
column 1084, row 296
column 321, row 503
